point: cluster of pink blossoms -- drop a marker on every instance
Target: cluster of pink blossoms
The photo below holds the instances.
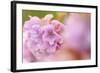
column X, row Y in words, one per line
column 41, row 37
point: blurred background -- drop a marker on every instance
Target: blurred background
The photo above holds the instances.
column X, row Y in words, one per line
column 57, row 15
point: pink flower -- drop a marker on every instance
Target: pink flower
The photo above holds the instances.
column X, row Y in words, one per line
column 51, row 39
column 77, row 31
column 41, row 37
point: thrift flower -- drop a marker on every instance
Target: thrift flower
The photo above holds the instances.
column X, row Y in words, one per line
column 41, row 37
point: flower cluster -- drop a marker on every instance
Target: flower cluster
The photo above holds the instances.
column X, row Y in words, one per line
column 41, row 37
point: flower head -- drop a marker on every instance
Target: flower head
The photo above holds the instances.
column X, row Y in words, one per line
column 41, row 37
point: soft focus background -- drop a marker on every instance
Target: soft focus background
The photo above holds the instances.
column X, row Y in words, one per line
column 57, row 15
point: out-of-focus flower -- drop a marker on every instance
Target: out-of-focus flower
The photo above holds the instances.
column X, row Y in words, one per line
column 41, row 37
column 77, row 31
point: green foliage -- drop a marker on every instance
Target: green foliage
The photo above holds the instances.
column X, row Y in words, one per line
column 26, row 13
